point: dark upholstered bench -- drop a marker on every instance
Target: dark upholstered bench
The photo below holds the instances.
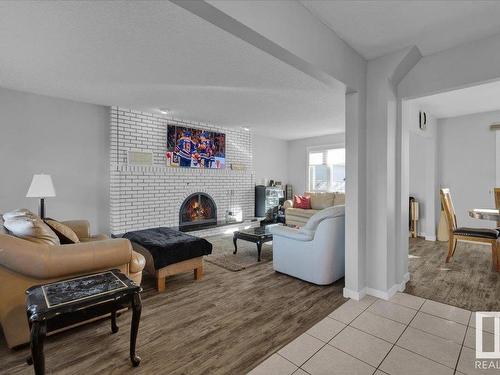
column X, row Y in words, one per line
column 169, row 252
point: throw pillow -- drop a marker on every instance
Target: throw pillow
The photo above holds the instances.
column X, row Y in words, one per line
column 26, row 225
column 17, row 213
column 302, row 201
column 66, row 234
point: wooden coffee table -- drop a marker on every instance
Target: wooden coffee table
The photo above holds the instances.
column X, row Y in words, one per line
column 258, row 235
column 61, row 304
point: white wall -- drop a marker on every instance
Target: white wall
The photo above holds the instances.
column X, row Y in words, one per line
column 418, row 178
column 296, row 159
column 66, row 139
column 423, row 184
column 466, row 154
column 497, row 157
column 269, row 159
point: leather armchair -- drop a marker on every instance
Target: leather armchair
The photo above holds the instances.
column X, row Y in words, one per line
column 315, row 252
column 24, row 264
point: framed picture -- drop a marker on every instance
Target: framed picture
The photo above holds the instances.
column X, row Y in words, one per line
column 195, row 148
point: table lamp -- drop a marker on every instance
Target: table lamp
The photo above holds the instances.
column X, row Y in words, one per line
column 41, row 187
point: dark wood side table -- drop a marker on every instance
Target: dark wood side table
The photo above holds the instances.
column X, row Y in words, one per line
column 257, row 235
column 64, row 303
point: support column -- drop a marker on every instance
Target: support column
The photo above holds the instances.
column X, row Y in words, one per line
column 355, row 196
column 385, row 209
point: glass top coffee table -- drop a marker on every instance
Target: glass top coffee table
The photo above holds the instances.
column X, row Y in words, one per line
column 257, row 235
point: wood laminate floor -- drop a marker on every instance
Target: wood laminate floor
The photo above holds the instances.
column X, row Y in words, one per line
column 226, row 323
column 467, row 281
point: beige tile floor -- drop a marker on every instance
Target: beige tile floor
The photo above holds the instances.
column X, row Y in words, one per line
column 406, row 335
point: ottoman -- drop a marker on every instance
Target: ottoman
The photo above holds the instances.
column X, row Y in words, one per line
column 169, row 252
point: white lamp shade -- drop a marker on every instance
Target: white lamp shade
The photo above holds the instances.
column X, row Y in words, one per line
column 41, row 187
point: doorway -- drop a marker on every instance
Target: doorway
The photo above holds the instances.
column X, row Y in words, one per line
column 457, row 148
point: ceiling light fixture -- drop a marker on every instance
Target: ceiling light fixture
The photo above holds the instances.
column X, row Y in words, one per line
column 246, row 129
column 163, row 111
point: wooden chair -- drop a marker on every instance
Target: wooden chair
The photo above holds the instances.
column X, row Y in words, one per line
column 455, row 233
column 497, row 202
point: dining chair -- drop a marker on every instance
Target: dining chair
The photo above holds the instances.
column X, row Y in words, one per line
column 497, row 202
column 456, row 233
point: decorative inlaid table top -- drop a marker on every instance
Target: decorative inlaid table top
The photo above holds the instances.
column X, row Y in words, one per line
column 45, row 301
column 64, row 303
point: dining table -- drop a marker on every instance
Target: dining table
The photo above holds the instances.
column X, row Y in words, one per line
column 492, row 214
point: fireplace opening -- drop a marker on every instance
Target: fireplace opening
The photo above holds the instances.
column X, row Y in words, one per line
column 196, row 212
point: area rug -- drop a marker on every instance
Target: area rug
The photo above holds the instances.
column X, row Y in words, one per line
column 467, row 281
column 222, row 253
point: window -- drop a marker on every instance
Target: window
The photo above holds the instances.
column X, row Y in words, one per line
column 326, row 169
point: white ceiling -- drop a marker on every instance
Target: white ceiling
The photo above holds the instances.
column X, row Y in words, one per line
column 151, row 54
column 375, row 28
column 476, row 99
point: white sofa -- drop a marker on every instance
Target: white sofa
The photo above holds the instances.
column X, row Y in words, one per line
column 315, row 252
column 319, row 201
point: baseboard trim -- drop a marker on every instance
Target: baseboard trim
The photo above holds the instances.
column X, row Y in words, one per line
column 383, row 294
column 355, row 295
column 426, row 237
column 406, row 278
column 388, row 294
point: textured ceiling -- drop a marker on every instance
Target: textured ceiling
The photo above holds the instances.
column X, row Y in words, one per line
column 152, row 54
column 375, row 28
column 476, row 99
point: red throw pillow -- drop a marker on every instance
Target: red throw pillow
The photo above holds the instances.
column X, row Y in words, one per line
column 302, row 201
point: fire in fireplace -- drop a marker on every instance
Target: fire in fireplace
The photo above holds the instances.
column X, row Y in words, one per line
column 197, row 211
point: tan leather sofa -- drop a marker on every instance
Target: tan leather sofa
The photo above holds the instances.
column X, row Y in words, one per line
column 319, row 201
column 24, row 264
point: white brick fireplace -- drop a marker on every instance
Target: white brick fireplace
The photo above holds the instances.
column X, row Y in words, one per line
column 151, row 196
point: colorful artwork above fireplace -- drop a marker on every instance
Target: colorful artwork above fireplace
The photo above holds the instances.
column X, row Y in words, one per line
column 195, row 148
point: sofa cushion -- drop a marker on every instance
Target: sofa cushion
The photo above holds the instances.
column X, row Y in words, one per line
column 320, row 201
column 302, row 201
column 300, row 212
column 339, row 199
column 65, row 234
column 25, row 224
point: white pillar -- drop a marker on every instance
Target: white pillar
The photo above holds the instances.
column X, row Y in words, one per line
column 385, row 210
column 355, row 196
column 403, row 190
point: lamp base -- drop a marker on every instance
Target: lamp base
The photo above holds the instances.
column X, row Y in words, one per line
column 41, row 208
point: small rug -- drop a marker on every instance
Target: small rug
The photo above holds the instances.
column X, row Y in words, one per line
column 222, row 253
